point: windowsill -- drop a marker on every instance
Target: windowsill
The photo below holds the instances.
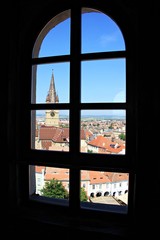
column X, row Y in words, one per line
column 37, row 220
column 111, row 208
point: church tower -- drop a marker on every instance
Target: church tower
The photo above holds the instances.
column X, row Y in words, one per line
column 52, row 116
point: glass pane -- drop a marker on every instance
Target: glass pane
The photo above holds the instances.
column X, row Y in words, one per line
column 100, row 33
column 51, row 128
column 107, row 191
column 54, row 39
column 103, row 131
column 50, row 83
column 103, row 81
column 49, row 182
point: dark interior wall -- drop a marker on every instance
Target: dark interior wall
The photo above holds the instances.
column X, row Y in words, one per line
column 21, row 15
column 147, row 165
column 148, row 176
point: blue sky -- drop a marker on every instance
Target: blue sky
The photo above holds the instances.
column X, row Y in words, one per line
column 101, row 81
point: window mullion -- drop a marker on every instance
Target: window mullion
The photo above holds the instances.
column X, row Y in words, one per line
column 75, row 107
column 75, row 79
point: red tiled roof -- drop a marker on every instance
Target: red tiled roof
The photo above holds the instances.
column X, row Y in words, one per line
column 95, row 177
column 116, row 177
column 54, row 133
column 46, row 144
column 105, row 144
column 60, row 174
column 57, row 134
column 39, row 169
column 98, row 177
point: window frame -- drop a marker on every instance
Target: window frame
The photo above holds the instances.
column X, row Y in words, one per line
column 29, row 156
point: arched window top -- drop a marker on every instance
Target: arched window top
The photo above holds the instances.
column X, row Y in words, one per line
column 54, row 39
column 99, row 33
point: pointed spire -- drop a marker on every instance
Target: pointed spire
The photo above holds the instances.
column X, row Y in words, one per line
column 52, row 96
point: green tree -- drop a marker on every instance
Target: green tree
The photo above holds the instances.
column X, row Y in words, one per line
column 122, row 136
column 83, row 195
column 90, row 151
column 55, row 189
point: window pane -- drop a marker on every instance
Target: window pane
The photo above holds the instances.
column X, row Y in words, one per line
column 100, row 33
column 51, row 129
column 103, row 131
column 103, row 81
column 104, row 190
column 54, row 39
column 50, row 83
column 49, row 182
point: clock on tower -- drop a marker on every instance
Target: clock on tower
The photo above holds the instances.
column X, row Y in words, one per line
column 52, row 113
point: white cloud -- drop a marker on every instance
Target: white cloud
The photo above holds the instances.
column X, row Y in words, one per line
column 105, row 39
column 120, row 97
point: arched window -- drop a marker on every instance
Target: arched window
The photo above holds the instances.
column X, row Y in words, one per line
column 82, row 124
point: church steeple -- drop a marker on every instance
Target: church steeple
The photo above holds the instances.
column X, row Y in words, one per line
column 52, row 97
column 52, row 116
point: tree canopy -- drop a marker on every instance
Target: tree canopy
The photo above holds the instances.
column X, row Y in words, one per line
column 55, row 189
